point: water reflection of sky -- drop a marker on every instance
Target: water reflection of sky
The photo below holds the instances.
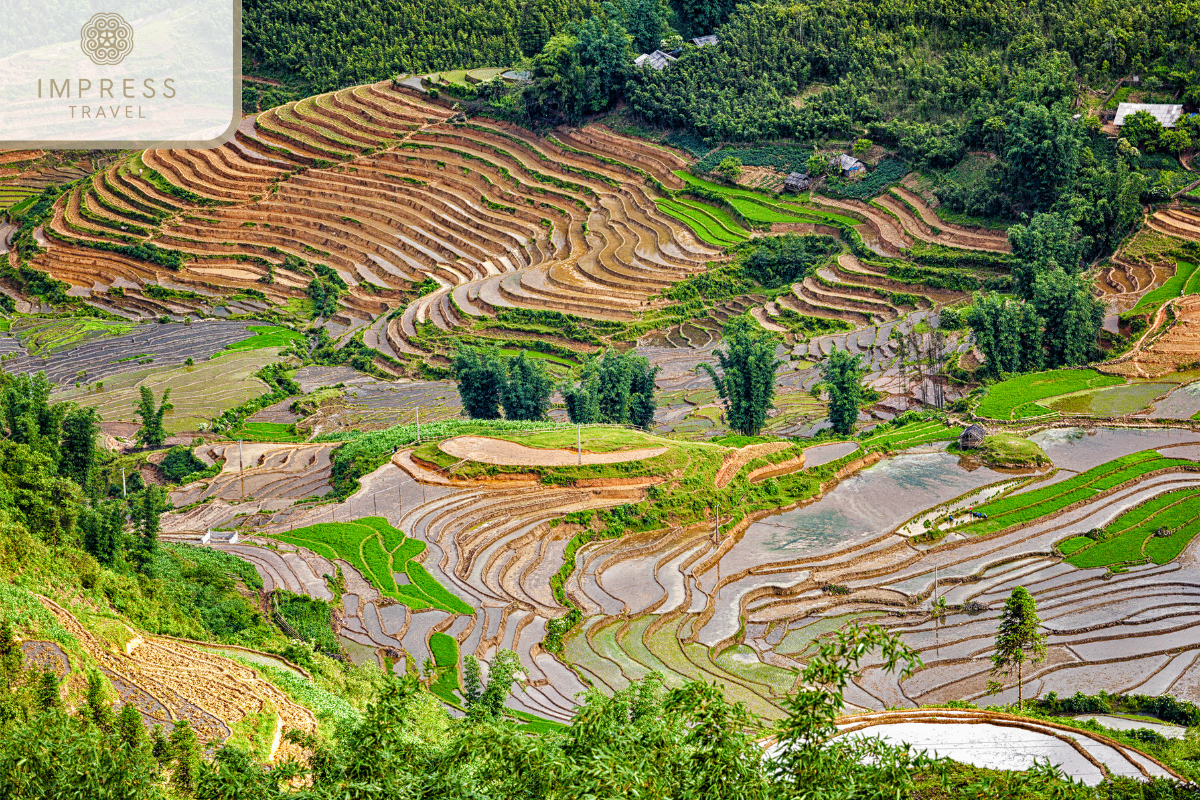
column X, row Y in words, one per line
column 871, row 503
column 1078, row 449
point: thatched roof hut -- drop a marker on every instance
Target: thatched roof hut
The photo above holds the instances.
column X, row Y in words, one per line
column 972, row 437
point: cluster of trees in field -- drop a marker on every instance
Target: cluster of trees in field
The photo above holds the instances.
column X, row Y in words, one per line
column 488, row 383
column 1052, row 320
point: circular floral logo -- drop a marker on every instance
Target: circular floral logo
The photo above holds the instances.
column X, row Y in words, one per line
column 106, row 39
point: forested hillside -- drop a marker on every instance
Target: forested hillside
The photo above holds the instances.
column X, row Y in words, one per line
column 319, row 45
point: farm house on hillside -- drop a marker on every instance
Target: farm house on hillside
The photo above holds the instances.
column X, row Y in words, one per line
column 702, row 41
column 797, row 182
column 972, row 437
column 847, row 165
column 657, row 60
column 1167, row 114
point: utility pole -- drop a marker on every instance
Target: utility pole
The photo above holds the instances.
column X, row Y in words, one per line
column 123, row 492
column 241, row 468
column 717, row 539
column 418, row 424
column 579, row 442
column 375, row 503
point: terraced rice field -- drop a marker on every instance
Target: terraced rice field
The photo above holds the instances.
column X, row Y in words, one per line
column 65, row 348
column 199, row 393
column 375, row 183
column 1018, row 398
column 168, row 680
column 1175, row 349
column 746, row 609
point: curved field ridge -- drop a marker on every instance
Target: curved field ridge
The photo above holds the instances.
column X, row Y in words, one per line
column 500, row 452
column 1007, row 741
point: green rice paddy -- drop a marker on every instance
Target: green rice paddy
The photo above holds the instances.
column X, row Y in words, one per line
column 1134, row 533
column 1017, row 398
column 380, row 552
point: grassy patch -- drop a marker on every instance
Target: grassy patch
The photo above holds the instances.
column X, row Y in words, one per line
column 444, row 649
column 898, row 437
column 267, row 432
column 1074, row 544
column 379, row 552
column 1017, row 398
column 266, row 336
column 1006, row 450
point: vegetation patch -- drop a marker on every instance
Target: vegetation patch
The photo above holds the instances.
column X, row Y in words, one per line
column 1017, row 398
column 266, row 336
column 380, row 552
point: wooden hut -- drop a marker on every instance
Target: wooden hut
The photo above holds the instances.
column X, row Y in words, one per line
column 797, row 182
column 972, row 437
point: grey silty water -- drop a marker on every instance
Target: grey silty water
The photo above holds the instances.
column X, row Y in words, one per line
column 866, row 505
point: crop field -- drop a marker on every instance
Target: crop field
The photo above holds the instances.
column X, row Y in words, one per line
column 1184, row 281
column 42, row 336
column 1035, row 504
column 1134, row 533
column 266, row 336
column 380, row 553
column 100, row 354
column 199, row 393
column 1017, row 398
column 910, row 435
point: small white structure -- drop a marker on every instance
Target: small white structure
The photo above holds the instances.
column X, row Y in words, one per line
column 657, row 60
column 1167, row 114
column 703, row 41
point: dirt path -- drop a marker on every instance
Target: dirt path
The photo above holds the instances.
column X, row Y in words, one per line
column 735, row 460
column 498, row 451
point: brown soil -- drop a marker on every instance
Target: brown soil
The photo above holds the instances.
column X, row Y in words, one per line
column 498, row 451
column 736, row 459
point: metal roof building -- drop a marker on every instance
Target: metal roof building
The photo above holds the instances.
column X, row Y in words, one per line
column 797, row 182
column 701, row 41
column 1167, row 114
column 656, row 60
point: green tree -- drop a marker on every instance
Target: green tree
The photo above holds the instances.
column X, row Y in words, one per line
column 179, row 463
column 30, row 416
column 645, row 21
column 130, row 728
column 1008, row 333
column 152, row 431
column 1019, row 639
column 97, row 709
column 730, row 169
column 617, row 388
column 527, row 390
column 146, row 512
column 843, row 374
column 81, row 426
column 502, row 673
column 48, row 504
column 185, row 753
column 1143, row 131
column 1048, row 241
column 862, row 147
column 810, row 760
column 481, row 378
column 780, row 260
column 746, row 384
column 1073, row 317
column 1040, row 154
column 816, row 165
column 48, row 693
column 102, row 525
